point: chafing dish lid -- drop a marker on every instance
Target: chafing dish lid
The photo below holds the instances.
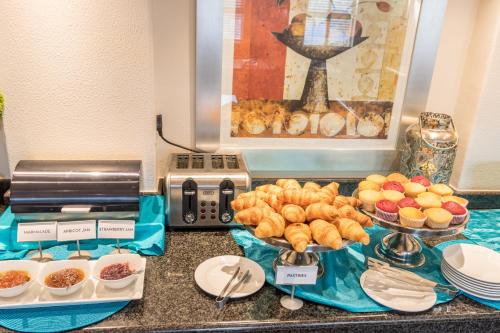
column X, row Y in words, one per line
column 39, row 185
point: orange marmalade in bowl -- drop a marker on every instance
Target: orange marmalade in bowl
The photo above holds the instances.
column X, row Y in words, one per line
column 13, row 278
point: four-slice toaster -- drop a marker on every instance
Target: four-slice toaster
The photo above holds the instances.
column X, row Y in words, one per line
column 199, row 189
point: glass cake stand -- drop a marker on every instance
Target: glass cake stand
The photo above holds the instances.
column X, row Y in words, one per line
column 401, row 247
column 289, row 257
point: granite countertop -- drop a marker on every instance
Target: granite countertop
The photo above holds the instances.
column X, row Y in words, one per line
column 172, row 302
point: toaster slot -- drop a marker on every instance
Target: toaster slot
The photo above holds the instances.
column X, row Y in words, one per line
column 197, row 161
column 217, row 162
column 189, row 201
column 182, row 161
column 232, row 162
column 226, row 195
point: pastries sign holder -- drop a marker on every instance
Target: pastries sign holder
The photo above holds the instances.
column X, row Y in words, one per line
column 306, row 262
column 401, row 247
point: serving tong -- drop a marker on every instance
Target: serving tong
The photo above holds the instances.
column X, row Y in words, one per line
column 403, row 279
column 224, row 295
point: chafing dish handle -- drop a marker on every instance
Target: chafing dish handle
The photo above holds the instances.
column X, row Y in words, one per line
column 76, row 209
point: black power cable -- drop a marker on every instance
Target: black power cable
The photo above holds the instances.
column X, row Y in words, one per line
column 159, row 129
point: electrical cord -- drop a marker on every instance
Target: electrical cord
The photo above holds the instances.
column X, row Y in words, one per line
column 159, row 129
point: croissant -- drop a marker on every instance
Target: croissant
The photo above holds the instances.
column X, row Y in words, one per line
column 258, row 194
column 247, row 202
column 326, row 234
column 332, row 189
column 275, row 202
column 269, row 188
column 271, row 226
column 288, row 184
column 252, row 215
column 293, row 213
column 299, row 235
column 352, row 230
column 351, row 213
column 341, row 200
column 325, row 197
column 300, row 197
column 321, row 211
column 311, row 186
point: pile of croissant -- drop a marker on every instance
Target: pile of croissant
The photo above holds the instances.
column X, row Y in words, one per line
column 302, row 214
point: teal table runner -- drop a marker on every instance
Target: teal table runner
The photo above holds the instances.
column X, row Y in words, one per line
column 149, row 239
column 339, row 287
column 484, row 228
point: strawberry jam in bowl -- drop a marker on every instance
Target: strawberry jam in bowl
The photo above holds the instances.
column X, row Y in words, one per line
column 117, row 271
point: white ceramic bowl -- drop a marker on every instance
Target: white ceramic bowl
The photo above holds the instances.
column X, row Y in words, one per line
column 29, row 266
column 135, row 264
column 54, row 266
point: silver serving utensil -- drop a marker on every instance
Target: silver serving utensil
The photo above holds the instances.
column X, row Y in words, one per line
column 408, row 277
column 235, row 274
column 222, row 300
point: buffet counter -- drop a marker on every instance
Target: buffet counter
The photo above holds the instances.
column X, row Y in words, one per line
column 173, row 303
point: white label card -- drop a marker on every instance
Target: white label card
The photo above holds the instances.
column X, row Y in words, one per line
column 116, row 229
column 296, row 275
column 76, row 230
column 37, row 231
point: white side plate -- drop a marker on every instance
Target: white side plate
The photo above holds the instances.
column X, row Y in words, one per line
column 414, row 301
column 474, row 261
column 213, row 274
column 92, row 292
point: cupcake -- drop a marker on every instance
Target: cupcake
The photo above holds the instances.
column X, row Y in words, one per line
column 397, row 177
column 368, row 185
column 428, row 200
column 369, row 198
column 438, row 218
column 412, row 217
column 441, row 189
column 408, row 202
column 458, row 211
column 458, row 200
column 379, row 179
column 421, row 180
column 387, row 210
column 392, row 195
column 413, row 189
column 396, row 186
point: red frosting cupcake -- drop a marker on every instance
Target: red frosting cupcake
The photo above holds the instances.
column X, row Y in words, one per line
column 421, row 180
column 408, row 202
column 396, row 186
column 458, row 211
column 387, row 210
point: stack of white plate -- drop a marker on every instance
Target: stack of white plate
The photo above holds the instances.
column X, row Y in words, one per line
column 474, row 269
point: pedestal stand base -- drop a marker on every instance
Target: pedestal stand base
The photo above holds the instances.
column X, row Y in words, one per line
column 291, row 303
column 292, row 258
column 401, row 250
column 80, row 255
column 35, row 256
column 122, row 251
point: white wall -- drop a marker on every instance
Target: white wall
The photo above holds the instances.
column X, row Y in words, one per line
column 78, row 80
column 174, row 26
column 4, row 163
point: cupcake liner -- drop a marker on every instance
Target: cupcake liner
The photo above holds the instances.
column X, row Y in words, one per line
column 391, row 217
column 412, row 222
column 459, row 219
column 431, row 224
column 368, row 206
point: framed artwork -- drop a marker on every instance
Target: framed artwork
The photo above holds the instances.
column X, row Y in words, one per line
column 312, row 74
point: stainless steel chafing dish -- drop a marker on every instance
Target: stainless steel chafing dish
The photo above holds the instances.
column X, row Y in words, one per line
column 74, row 190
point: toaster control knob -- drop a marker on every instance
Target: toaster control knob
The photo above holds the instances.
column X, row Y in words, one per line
column 226, row 218
column 189, row 218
